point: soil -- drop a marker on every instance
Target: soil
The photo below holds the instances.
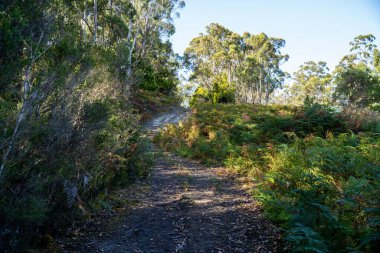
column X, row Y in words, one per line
column 183, row 206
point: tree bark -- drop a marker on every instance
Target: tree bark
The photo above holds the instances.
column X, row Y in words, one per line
column 21, row 116
column 131, row 48
column 27, row 99
column 260, row 87
column 130, row 26
column 85, row 21
column 95, row 20
column 111, row 37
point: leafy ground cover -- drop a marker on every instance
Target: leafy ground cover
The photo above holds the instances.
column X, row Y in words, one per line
column 311, row 172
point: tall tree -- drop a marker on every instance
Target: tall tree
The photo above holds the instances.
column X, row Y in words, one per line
column 312, row 82
column 357, row 77
column 63, row 109
column 249, row 63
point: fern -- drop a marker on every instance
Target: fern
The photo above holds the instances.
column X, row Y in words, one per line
column 305, row 239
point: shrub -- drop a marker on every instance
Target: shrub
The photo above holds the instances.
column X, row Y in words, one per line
column 326, row 185
column 312, row 175
column 82, row 139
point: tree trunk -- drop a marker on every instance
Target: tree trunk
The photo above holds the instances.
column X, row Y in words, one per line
column 110, row 35
column 144, row 49
column 95, row 20
column 131, row 48
column 130, row 26
column 21, row 116
column 267, row 95
column 110, row 3
column 84, row 28
column 260, row 87
column 229, row 76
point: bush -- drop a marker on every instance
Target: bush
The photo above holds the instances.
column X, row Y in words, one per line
column 81, row 140
column 326, row 186
column 360, row 119
column 312, row 175
column 220, row 92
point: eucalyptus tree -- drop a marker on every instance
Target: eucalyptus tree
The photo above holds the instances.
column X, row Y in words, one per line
column 249, row 63
column 357, row 77
column 61, row 62
column 146, row 22
column 213, row 58
column 261, row 66
column 312, row 82
column 30, row 30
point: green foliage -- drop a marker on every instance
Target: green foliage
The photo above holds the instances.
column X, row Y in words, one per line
column 358, row 85
column 305, row 239
column 235, row 68
column 162, row 80
column 327, row 185
column 70, row 130
column 310, row 174
column 97, row 111
column 355, row 81
column 17, row 19
column 312, row 82
column 319, row 119
column 357, row 78
column 81, row 140
column 220, row 92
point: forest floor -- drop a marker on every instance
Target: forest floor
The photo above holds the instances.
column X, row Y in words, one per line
column 183, row 206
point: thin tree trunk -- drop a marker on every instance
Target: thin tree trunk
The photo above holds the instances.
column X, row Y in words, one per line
column 260, row 87
column 143, row 49
column 130, row 26
column 84, row 25
column 129, row 67
column 95, row 20
column 110, row 35
column 267, row 96
column 20, row 118
column 26, row 101
column 229, row 76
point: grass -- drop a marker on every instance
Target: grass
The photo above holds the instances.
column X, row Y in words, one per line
column 310, row 172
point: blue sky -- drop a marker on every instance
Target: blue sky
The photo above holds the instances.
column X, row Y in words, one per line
column 313, row 29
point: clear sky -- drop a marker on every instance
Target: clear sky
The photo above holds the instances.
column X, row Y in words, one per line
column 313, row 29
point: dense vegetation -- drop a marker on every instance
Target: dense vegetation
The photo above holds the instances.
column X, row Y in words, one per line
column 76, row 79
column 314, row 162
column 354, row 83
column 246, row 69
column 311, row 175
column 229, row 67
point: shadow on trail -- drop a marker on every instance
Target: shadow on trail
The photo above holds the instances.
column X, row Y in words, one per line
column 187, row 207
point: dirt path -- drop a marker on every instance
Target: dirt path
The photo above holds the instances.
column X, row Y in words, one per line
column 186, row 207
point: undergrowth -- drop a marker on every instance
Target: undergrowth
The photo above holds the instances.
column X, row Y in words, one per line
column 312, row 174
column 80, row 142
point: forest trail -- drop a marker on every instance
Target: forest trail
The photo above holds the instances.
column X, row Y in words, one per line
column 185, row 206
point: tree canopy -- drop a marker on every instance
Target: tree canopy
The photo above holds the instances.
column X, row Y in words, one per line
column 247, row 66
column 312, row 82
column 357, row 77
